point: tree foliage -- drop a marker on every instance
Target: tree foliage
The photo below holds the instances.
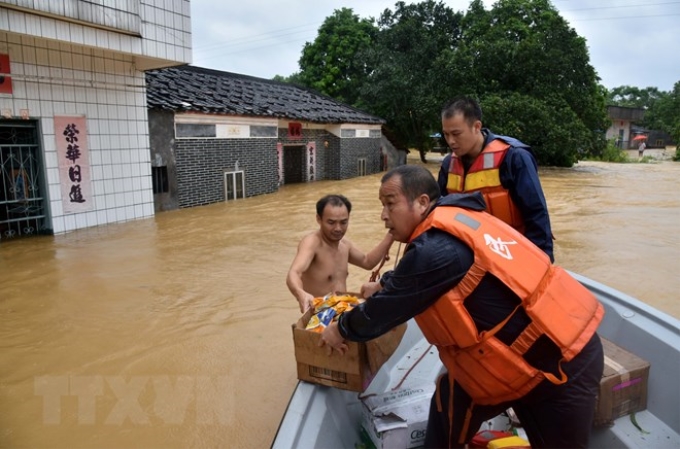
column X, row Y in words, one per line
column 401, row 87
column 524, row 52
column 633, row 97
column 290, row 79
column 540, row 122
column 329, row 64
column 667, row 113
column 530, row 70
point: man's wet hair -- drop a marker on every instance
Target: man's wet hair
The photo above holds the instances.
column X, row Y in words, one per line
column 415, row 181
column 333, row 200
column 467, row 106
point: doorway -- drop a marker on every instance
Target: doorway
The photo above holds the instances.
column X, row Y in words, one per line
column 22, row 193
column 294, row 164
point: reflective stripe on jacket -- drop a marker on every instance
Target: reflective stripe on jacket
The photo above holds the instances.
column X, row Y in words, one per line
column 557, row 304
column 484, row 176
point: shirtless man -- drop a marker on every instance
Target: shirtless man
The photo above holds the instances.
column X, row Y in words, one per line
column 321, row 264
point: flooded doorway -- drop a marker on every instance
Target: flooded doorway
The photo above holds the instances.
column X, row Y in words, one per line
column 293, row 164
column 22, row 201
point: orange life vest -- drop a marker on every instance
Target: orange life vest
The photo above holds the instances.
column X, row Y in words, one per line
column 484, row 176
column 558, row 305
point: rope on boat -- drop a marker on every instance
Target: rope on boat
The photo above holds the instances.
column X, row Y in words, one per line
column 375, row 275
column 422, row 356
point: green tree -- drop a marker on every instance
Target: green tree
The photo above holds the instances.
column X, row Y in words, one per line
column 633, row 97
column 525, row 51
column 667, row 113
column 329, row 64
column 403, row 85
column 530, row 70
column 540, row 122
column 290, row 79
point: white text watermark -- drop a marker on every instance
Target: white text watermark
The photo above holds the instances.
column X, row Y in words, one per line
column 139, row 400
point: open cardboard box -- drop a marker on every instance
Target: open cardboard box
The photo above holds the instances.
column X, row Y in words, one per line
column 398, row 418
column 352, row 371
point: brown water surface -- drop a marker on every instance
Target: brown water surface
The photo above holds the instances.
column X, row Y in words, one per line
column 174, row 332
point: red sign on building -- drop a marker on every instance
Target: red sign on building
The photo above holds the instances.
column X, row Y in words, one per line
column 295, row 130
column 5, row 79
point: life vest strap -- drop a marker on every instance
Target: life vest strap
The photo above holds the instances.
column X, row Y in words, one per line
column 466, row 423
column 485, row 335
column 438, row 393
column 470, row 281
column 553, row 379
column 526, row 339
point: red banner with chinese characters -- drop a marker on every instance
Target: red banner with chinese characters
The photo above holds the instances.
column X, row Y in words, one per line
column 74, row 164
column 5, row 79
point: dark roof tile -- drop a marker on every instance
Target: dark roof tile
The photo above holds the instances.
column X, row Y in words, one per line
column 189, row 88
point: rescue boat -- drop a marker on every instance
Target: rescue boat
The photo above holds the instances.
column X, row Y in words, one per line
column 325, row 417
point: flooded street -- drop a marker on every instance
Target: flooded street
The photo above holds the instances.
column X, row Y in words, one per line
column 175, row 332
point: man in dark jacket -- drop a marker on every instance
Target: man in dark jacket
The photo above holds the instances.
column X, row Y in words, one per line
column 554, row 414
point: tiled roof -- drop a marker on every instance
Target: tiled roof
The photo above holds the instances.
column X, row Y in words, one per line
column 189, row 88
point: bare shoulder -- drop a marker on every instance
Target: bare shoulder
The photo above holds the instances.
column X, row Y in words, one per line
column 347, row 243
column 347, row 246
column 311, row 240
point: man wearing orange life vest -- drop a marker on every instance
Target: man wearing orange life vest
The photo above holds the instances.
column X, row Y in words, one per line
column 512, row 329
column 500, row 167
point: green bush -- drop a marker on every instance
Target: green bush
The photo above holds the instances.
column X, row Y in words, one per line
column 612, row 153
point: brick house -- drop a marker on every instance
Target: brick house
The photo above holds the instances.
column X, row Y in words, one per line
column 219, row 136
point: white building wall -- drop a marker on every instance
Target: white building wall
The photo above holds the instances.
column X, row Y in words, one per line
column 155, row 29
column 66, row 68
column 52, row 79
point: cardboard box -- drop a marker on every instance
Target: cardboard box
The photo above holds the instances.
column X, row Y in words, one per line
column 397, row 419
column 352, row 371
column 623, row 388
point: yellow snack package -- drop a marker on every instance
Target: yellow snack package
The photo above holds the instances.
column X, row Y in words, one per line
column 328, row 309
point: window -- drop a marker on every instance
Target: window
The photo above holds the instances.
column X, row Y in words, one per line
column 159, row 177
column 193, row 130
column 234, row 185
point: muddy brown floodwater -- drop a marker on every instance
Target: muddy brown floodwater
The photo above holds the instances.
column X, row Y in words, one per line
column 174, row 332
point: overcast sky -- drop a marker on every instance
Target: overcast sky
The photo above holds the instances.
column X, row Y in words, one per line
column 631, row 42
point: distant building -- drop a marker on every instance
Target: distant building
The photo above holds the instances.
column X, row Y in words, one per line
column 622, row 119
column 654, row 138
column 219, row 136
column 74, row 136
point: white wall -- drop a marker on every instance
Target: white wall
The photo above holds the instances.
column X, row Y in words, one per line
column 51, row 79
column 63, row 65
column 163, row 37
